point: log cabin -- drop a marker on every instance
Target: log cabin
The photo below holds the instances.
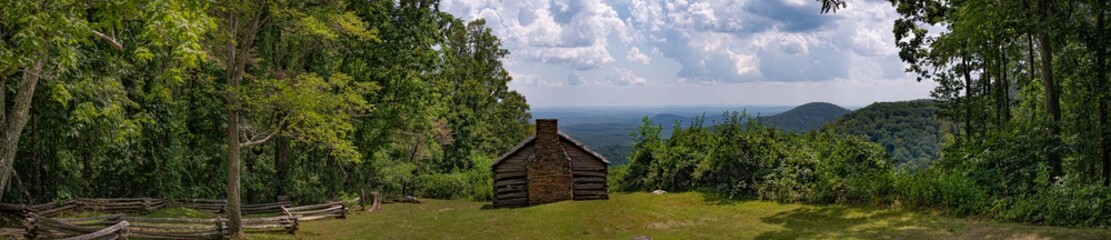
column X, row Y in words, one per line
column 548, row 166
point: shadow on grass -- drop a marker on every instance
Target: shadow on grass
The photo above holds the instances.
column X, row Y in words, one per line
column 845, row 222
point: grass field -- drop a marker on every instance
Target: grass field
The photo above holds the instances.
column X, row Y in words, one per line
column 670, row 216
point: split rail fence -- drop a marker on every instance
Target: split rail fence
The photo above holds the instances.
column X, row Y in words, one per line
column 39, row 221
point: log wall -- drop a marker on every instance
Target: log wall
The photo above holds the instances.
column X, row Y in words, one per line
column 511, row 180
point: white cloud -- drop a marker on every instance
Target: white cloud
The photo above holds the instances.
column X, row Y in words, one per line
column 691, row 42
column 575, row 32
column 627, row 77
column 533, row 80
column 575, row 79
column 637, row 57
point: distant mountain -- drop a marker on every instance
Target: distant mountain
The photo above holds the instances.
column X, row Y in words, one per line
column 909, row 130
column 667, row 118
column 807, row 117
column 612, row 140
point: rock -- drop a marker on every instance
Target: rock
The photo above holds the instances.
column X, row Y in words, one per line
column 407, row 199
column 659, row 192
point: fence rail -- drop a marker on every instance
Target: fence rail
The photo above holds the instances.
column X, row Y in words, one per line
column 39, row 224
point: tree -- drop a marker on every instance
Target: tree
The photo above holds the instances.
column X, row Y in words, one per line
column 832, row 5
column 47, row 40
column 285, row 98
column 1052, row 101
column 485, row 117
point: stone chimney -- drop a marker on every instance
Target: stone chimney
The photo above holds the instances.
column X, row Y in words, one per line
column 546, row 131
column 549, row 166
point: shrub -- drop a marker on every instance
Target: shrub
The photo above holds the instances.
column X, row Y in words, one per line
column 475, row 183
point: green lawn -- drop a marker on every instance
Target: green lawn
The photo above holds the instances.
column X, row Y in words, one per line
column 670, row 216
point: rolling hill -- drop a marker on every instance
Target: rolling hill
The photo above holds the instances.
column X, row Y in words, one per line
column 909, row 131
column 807, row 117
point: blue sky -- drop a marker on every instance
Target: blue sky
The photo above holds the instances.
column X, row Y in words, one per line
column 712, row 52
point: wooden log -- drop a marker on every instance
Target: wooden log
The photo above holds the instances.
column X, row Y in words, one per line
column 505, row 169
column 511, row 202
column 220, row 201
column 512, row 195
column 101, row 233
column 581, row 167
column 155, row 227
column 589, row 174
column 578, row 180
column 171, row 220
column 590, row 197
column 500, row 176
column 321, row 205
column 51, row 212
column 114, row 199
column 510, row 182
column 318, row 217
column 12, row 207
column 589, row 186
column 268, row 219
column 93, row 218
column 268, row 205
column 589, row 192
column 177, row 235
column 312, row 212
column 510, row 190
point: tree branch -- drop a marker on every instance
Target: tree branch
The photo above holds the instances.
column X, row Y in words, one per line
column 111, row 41
column 260, row 141
column 270, row 135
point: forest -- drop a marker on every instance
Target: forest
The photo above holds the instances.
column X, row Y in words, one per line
column 911, row 131
column 253, row 101
column 249, row 100
column 1022, row 98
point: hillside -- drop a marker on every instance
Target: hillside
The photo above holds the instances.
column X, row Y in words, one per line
column 612, row 140
column 909, row 131
column 668, row 216
column 610, row 134
column 807, row 117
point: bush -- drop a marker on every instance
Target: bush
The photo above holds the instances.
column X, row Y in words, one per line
column 473, row 184
column 1066, row 203
column 741, row 159
column 951, row 193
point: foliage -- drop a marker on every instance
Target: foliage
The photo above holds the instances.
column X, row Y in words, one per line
column 357, row 95
column 475, row 184
column 739, row 160
column 910, row 131
column 1025, row 84
column 804, row 118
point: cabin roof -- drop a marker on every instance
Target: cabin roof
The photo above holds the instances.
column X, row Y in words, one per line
column 562, row 135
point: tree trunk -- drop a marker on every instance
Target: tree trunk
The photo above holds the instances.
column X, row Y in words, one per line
column 967, row 98
column 1052, row 103
column 1101, row 91
column 234, row 214
column 281, row 165
column 239, row 53
column 1033, row 72
column 17, row 118
column 1006, row 86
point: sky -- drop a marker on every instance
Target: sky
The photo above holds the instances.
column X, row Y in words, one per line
column 594, row 53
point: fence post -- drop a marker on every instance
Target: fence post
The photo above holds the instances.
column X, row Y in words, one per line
column 293, row 221
column 124, row 232
column 220, row 227
column 377, row 205
column 343, row 210
column 362, row 199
